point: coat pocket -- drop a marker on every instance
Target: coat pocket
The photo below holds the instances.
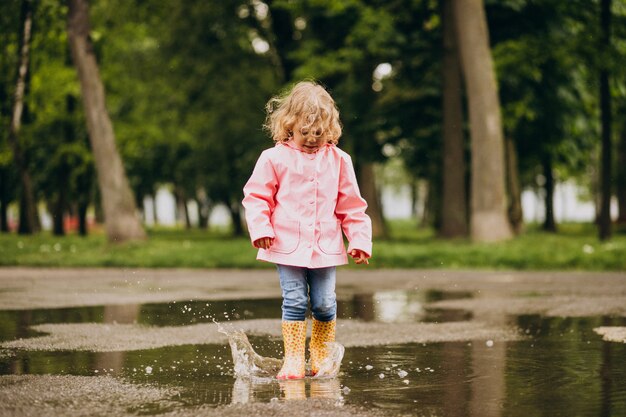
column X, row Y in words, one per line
column 287, row 236
column 331, row 240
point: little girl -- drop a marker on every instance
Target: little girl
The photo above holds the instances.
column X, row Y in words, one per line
column 301, row 194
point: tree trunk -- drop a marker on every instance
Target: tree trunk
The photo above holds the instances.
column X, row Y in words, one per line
column 549, row 225
column 4, row 202
column 488, row 206
column 604, row 226
column 204, row 211
column 28, row 222
column 186, row 211
column 4, row 218
column 367, row 183
column 453, row 216
column 59, row 204
column 155, row 217
column 97, row 203
column 516, row 215
column 436, row 197
column 414, row 197
column 204, row 207
column 142, row 210
column 181, row 206
column 58, row 211
column 120, row 211
column 621, row 177
column 235, row 216
column 426, row 196
column 82, row 218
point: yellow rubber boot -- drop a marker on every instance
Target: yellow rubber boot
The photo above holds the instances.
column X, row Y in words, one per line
column 322, row 333
column 294, row 338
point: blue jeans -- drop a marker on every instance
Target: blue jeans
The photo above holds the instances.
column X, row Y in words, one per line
column 298, row 283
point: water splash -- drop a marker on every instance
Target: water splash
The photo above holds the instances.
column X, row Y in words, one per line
column 247, row 363
column 329, row 367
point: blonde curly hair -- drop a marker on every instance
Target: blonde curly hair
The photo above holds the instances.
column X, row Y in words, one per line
column 308, row 103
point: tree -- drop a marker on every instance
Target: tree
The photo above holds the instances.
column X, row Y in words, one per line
column 341, row 44
column 514, row 188
column 488, row 210
column 619, row 16
column 548, row 97
column 28, row 210
column 621, row 173
column 604, row 225
column 453, row 216
column 9, row 38
column 225, row 82
column 118, row 201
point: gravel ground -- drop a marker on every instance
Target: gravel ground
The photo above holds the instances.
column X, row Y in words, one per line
column 66, row 395
column 495, row 295
column 29, row 288
column 548, row 306
column 81, row 396
column 126, row 337
column 308, row 408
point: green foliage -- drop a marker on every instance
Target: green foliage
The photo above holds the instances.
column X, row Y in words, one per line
column 186, row 92
column 9, row 29
column 535, row 49
column 186, row 87
column 53, row 133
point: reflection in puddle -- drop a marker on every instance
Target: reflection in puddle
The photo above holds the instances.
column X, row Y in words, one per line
column 386, row 306
column 248, row 390
column 563, row 368
column 401, row 307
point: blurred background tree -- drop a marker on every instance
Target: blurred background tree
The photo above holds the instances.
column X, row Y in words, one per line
column 186, row 83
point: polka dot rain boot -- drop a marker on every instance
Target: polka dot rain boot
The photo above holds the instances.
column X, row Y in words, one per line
column 294, row 338
column 322, row 333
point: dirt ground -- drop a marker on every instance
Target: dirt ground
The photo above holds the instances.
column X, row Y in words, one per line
column 28, row 288
column 495, row 294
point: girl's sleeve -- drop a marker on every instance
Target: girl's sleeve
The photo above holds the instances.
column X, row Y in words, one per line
column 350, row 210
column 258, row 199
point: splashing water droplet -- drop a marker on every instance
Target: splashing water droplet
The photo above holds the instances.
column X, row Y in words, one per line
column 329, row 367
column 247, row 363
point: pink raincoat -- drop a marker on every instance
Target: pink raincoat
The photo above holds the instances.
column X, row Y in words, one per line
column 304, row 201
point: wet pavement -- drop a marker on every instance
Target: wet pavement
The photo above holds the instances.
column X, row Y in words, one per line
column 426, row 343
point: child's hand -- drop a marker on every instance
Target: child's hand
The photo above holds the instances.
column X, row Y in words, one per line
column 263, row 243
column 359, row 256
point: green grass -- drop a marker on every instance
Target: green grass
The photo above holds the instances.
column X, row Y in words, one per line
column 575, row 247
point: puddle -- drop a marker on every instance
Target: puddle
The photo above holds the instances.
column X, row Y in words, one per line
column 561, row 368
column 387, row 306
